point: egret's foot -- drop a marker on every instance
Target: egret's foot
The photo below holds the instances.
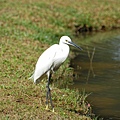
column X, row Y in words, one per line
column 47, row 108
column 53, row 110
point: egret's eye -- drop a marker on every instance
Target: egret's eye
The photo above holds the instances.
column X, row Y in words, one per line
column 66, row 40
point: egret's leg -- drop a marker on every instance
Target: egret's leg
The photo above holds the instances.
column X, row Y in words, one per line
column 48, row 95
column 51, row 99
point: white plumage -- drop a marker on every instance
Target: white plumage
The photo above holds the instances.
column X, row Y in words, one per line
column 50, row 60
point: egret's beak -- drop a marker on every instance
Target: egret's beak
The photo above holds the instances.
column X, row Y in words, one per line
column 73, row 44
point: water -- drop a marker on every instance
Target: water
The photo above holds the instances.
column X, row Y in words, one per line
column 97, row 70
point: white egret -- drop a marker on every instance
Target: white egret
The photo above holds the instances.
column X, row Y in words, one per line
column 50, row 60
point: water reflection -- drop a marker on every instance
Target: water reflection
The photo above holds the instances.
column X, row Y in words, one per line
column 97, row 69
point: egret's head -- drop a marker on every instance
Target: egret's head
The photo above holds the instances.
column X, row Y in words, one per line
column 68, row 41
column 65, row 40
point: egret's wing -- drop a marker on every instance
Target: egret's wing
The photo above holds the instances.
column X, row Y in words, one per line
column 45, row 62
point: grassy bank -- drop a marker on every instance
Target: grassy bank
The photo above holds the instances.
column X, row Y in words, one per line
column 27, row 28
column 48, row 20
column 21, row 99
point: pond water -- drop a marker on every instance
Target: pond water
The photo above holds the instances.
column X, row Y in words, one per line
column 97, row 70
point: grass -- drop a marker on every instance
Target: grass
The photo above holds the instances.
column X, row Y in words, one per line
column 27, row 28
column 20, row 98
column 47, row 21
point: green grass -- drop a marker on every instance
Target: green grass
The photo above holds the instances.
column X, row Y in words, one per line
column 27, row 28
column 47, row 21
column 20, row 98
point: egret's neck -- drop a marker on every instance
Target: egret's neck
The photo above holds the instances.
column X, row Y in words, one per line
column 65, row 49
